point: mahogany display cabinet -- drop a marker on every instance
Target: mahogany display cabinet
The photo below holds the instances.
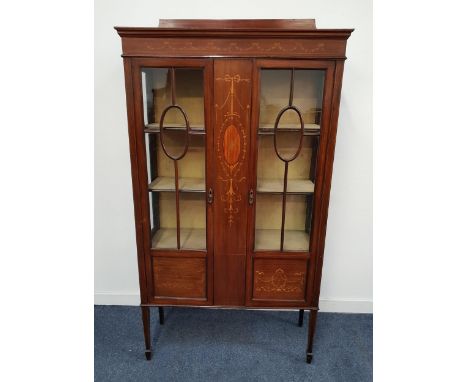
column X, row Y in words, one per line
column 232, row 127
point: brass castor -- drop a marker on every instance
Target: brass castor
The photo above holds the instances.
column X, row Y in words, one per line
column 309, row 357
column 148, row 355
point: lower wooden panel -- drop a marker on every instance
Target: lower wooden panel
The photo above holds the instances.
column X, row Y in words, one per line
column 279, row 279
column 229, row 280
column 179, row 277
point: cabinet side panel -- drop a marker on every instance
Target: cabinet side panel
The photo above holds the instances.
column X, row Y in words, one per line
column 135, row 179
column 327, row 178
column 232, row 99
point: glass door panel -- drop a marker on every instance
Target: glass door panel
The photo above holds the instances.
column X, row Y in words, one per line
column 176, row 150
column 288, row 140
column 157, row 96
column 274, row 96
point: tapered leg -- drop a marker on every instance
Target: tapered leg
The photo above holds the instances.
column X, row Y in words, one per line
column 161, row 315
column 310, row 336
column 301, row 317
column 145, row 314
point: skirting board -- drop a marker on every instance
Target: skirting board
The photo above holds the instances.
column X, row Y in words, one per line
column 336, row 305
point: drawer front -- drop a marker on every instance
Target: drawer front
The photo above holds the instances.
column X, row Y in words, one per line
column 279, row 279
column 179, row 278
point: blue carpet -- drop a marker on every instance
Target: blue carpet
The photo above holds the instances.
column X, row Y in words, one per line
column 230, row 345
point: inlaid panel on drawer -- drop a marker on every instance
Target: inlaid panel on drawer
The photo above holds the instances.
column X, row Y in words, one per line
column 279, row 279
column 179, row 277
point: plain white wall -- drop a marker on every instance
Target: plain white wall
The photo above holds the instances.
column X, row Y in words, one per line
column 347, row 275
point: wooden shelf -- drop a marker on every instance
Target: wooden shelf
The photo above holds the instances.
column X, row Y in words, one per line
column 309, row 128
column 295, row 186
column 190, row 238
column 164, row 183
column 270, row 240
column 194, row 129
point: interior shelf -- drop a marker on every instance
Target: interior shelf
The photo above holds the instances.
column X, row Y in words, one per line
column 295, row 186
column 194, row 129
column 164, row 183
column 190, row 238
column 270, row 240
column 309, row 128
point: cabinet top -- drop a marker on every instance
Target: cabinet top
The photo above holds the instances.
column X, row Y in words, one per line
column 223, row 28
column 239, row 24
column 282, row 38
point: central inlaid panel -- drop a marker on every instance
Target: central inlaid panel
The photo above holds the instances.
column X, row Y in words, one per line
column 232, row 95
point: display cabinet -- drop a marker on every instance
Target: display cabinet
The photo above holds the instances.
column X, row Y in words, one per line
column 232, row 127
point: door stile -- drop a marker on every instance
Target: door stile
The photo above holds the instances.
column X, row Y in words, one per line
column 252, row 181
column 209, row 174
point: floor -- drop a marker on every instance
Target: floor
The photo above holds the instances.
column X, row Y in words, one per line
column 230, row 345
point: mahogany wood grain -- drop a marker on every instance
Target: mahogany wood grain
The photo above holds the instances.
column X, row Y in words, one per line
column 327, row 175
column 234, row 47
column 239, row 33
column 253, row 154
column 238, row 24
column 137, row 191
column 279, row 279
column 210, row 175
column 179, row 277
column 232, row 98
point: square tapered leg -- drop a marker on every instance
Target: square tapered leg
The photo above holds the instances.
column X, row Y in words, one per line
column 145, row 315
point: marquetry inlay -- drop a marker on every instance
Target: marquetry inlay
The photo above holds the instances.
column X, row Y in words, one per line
column 266, row 46
column 231, row 144
column 279, row 281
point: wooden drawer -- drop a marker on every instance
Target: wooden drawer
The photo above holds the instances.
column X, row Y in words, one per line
column 279, row 279
column 179, row 277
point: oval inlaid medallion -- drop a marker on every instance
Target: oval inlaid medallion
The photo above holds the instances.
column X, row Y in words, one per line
column 231, row 145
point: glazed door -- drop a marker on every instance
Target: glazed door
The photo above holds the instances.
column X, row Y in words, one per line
column 290, row 119
column 175, row 141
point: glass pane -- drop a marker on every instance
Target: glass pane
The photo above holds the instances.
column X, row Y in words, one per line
column 301, row 171
column 191, row 168
column 307, row 96
column 192, row 221
column 287, row 151
column 268, row 215
column 268, row 222
column 157, row 96
column 175, row 157
column 296, row 232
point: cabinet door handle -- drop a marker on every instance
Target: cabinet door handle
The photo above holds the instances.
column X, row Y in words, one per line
column 251, row 197
column 210, row 195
